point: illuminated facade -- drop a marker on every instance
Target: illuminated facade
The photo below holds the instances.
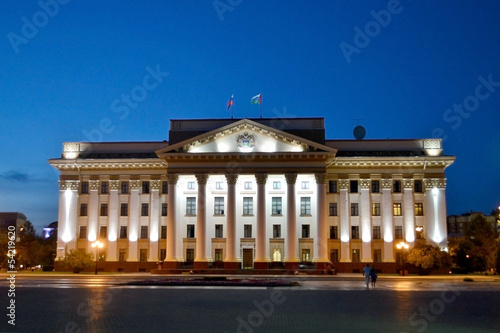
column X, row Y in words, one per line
column 250, row 194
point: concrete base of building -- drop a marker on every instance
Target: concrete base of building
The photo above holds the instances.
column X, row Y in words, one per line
column 200, row 265
column 232, row 265
column 261, row 265
column 291, row 265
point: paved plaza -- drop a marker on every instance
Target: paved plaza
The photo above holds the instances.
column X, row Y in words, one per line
column 340, row 304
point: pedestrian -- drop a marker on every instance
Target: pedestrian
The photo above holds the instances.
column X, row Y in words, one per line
column 366, row 274
column 373, row 275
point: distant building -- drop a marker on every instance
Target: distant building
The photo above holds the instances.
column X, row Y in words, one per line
column 457, row 224
column 50, row 230
column 250, row 194
column 13, row 219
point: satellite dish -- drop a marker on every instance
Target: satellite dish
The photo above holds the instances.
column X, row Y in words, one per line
column 359, row 132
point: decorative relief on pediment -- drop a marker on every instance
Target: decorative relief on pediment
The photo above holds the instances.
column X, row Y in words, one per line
column 245, row 142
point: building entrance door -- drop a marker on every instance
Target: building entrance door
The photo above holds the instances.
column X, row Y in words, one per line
column 247, row 258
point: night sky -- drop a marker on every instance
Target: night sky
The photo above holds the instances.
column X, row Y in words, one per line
column 75, row 71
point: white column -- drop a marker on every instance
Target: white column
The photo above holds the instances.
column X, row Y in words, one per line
column 154, row 220
column 344, row 213
column 366, row 226
column 172, row 252
column 231, row 257
column 93, row 211
column 387, row 220
column 291, row 254
column 321, row 241
column 111, row 246
column 200, row 260
column 261, row 255
column 435, row 228
column 67, row 216
column 133, row 221
column 409, row 210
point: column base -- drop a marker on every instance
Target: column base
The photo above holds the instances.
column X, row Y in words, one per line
column 261, row 265
column 233, row 265
column 200, row 265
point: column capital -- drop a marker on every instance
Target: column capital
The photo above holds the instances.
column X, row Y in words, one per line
column 202, row 178
column 94, row 184
column 434, row 182
column 135, row 184
column 172, row 179
column 261, row 178
column 291, row 178
column 320, row 178
column 69, row 184
column 408, row 183
column 114, row 184
column 231, row 178
column 365, row 184
column 386, row 183
column 155, row 184
column 344, row 184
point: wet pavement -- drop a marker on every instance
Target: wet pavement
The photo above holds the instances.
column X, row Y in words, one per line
column 320, row 304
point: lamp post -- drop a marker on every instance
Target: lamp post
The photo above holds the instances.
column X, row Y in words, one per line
column 98, row 245
column 401, row 247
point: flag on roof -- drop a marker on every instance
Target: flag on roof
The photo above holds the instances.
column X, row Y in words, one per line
column 230, row 102
column 256, row 99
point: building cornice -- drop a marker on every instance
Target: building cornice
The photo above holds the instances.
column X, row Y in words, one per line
column 114, row 164
column 370, row 162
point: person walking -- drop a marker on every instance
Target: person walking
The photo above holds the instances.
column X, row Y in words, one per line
column 366, row 274
column 373, row 275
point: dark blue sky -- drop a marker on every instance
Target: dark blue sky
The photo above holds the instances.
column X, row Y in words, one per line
column 65, row 72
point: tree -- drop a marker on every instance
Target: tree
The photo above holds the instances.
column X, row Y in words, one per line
column 78, row 260
column 427, row 256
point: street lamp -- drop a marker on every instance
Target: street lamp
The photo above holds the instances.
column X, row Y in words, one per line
column 98, row 245
column 401, row 247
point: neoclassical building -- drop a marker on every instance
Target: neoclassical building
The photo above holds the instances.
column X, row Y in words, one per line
column 258, row 194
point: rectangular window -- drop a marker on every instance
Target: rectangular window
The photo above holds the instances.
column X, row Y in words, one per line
column 122, row 254
column 143, row 255
column 306, row 255
column 355, row 255
column 104, row 209
column 334, row 255
column 164, row 187
column 84, row 189
column 419, row 209
column 190, row 206
column 83, row 209
column 125, row 188
column 420, row 232
column 377, row 255
column 332, row 186
column 104, row 188
column 396, row 208
column 305, row 185
column 124, row 209
column 83, row 232
column 276, row 231
column 145, row 187
column 218, row 255
column 247, row 231
column 398, row 232
column 276, row 205
column 334, row 234
column 248, row 185
column 376, row 232
column 354, row 209
column 305, row 206
column 418, row 186
column 276, row 185
column 190, row 231
column 219, row 206
column 375, row 209
column 123, row 231
column 144, row 209
column 247, row 206
column 163, row 232
column 333, row 209
column 164, row 209
column 218, row 231
column 191, row 185
column 305, row 231
column 144, row 231
column 355, row 232
column 103, row 232
column 354, row 186
column 396, row 186
column 375, row 186
column 189, row 255
column 219, row 185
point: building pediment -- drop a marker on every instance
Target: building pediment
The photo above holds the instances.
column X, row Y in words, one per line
column 245, row 136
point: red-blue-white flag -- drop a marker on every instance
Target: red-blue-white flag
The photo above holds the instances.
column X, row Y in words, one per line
column 230, row 102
